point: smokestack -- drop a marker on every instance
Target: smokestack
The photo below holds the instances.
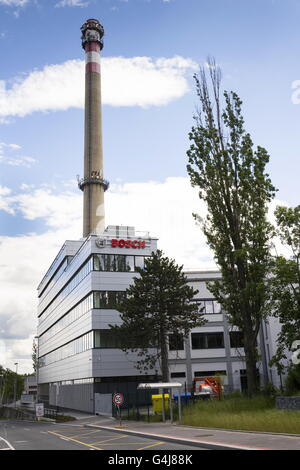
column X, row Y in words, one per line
column 93, row 184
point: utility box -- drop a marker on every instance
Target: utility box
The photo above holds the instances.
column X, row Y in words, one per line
column 157, row 402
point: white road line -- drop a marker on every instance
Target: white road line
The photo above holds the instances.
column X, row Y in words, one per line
column 9, row 446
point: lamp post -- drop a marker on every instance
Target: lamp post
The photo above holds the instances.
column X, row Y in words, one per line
column 2, row 388
column 37, row 368
column 15, row 387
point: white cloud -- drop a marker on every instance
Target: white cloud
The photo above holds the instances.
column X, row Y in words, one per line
column 14, row 3
column 9, row 155
column 5, row 204
column 71, row 3
column 136, row 81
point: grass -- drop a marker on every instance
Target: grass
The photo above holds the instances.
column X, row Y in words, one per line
column 255, row 414
column 64, row 418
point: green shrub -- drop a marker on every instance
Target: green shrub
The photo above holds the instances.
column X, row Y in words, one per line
column 292, row 382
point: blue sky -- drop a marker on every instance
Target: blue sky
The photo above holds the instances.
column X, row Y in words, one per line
column 151, row 50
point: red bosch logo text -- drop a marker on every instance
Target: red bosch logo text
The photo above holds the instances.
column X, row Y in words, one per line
column 128, row 243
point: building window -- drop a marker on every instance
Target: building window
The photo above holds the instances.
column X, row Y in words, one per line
column 236, row 339
column 117, row 263
column 139, row 262
column 108, row 299
column 209, row 373
column 217, row 307
column 130, row 263
column 81, row 344
column 176, row 342
column 106, row 339
column 208, row 307
column 207, row 340
column 175, row 375
column 85, row 269
column 76, row 312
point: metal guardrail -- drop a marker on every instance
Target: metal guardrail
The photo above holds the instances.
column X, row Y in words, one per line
column 50, row 413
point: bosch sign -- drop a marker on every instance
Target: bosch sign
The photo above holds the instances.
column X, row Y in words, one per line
column 128, row 243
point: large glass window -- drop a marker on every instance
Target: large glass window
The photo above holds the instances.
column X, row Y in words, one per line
column 217, row 307
column 207, row 307
column 79, row 310
column 86, row 268
column 108, row 299
column 130, row 263
column 176, row 342
column 106, row 339
column 119, row 263
column 236, row 339
column 139, row 262
column 81, row 344
column 209, row 373
column 207, row 340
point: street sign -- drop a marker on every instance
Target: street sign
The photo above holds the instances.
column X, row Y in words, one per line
column 118, row 399
column 39, row 410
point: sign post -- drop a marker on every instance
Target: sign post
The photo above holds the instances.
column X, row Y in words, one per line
column 118, row 400
column 39, row 410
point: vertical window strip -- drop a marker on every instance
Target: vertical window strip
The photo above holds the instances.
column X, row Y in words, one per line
column 79, row 345
column 82, row 273
column 81, row 309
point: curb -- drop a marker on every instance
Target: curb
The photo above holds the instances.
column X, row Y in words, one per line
column 268, row 433
column 178, row 440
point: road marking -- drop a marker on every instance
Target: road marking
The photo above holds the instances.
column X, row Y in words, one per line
column 152, row 445
column 108, row 440
column 127, row 443
column 86, row 433
column 9, row 446
column 75, row 440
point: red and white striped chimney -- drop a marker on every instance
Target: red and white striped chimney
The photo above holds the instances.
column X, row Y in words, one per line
column 93, row 184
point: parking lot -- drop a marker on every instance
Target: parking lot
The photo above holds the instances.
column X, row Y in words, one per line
column 106, row 440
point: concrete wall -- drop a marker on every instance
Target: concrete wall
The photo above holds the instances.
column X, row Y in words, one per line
column 288, row 403
column 77, row 396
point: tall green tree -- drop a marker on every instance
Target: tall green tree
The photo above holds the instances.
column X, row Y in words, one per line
column 158, row 304
column 34, row 355
column 232, row 180
column 285, row 281
column 8, row 378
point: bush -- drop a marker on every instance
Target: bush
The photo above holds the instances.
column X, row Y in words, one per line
column 270, row 391
column 292, row 382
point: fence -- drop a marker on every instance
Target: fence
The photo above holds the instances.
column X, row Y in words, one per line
column 139, row 406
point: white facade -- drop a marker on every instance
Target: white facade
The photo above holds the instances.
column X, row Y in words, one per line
column 77, row 356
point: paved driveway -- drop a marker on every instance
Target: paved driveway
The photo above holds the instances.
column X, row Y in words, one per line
column 44, row 436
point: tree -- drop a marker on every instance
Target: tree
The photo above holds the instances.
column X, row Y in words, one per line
column 8, row 379
column 231, row 178
column 34, row 355
column 157, row 304
column 285, row 281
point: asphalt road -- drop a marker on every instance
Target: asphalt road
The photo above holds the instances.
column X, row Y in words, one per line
column 46, row 436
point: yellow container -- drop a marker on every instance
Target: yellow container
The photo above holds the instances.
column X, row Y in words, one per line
column 157, row 402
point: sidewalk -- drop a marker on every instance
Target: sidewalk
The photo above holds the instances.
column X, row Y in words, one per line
column 202, row 437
